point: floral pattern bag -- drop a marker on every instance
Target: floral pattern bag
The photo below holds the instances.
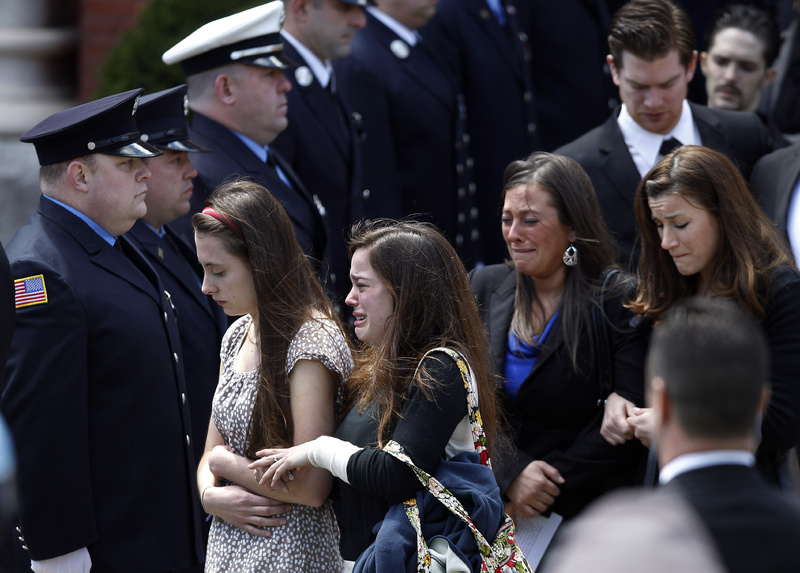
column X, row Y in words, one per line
column 501, row 554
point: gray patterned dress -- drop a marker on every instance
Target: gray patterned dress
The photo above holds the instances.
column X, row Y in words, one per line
column 309, row 541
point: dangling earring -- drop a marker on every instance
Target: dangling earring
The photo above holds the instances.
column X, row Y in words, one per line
column 571, row 256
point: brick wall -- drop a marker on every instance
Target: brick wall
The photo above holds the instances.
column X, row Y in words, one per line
column 101, row 24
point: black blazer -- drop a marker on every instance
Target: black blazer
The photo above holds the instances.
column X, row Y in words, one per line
column 320, row 144
column 410, row 117
column 555, row 416
column 604, row 155
column 773, row 182
column 781, row 425
column 489, row 64
column 94, row 388
column 230, row 158
column 201, row 322
column 755, row 527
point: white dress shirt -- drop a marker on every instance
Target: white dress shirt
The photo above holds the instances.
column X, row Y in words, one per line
column 644, row 145
column 697, row 460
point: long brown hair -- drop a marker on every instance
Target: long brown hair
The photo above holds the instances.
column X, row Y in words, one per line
column 749, row 245
column 573, row 197
column 257, row 230
column 433, row 306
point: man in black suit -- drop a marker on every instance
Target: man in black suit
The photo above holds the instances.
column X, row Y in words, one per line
column 708, row 368
column 201, row 322
column 415, row 156
column 652, row 61
column 237, row 95
column 321, row 141
column 776, row 186
column 94, row 391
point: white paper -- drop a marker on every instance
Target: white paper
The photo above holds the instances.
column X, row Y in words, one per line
column 534, row 535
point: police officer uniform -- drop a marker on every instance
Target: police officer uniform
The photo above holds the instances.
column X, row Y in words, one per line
column 95, row 394
column 201, row 322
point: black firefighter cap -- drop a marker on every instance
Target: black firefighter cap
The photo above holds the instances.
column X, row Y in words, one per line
column 106, row 126
column 162, row 120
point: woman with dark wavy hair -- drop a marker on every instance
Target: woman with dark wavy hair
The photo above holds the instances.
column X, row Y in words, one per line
column 410, row 296
column 550, row 339
column 284, row 363
column 703, row 234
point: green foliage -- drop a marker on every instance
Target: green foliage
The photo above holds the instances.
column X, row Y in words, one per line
column 136, row 61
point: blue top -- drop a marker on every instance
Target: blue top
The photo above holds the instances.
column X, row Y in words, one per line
column 521, row 356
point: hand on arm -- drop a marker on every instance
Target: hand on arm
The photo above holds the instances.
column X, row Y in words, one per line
column 615, row 428
column 312, row 390
column 325, row 453
column 534, row 489
column 233, row 503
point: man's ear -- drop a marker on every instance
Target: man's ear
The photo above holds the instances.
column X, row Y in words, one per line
column 769, row 76
column 690, row 69
column 79, row 175
column 763, row 403
column 615, row 77
column 703, row 58
column 299, row 8
column 225, row 88
column 659, row 400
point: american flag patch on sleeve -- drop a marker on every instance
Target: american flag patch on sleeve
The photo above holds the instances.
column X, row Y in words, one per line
column 30, row 291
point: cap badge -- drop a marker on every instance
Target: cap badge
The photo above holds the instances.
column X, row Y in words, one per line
column 303, row 76
column 135, row 105
column 400, row 49
column 186, row 105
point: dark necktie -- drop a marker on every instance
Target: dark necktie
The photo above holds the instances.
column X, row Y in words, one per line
column 272, row 162
column 341, row 113
column 176, row 251
column 668, row 145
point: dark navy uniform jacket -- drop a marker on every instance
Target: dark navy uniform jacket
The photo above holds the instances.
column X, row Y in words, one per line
column 201, row 322
column 410, row 119
column 490, row 65
column 96, row 401
column 231, row 158
column 320, row 144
